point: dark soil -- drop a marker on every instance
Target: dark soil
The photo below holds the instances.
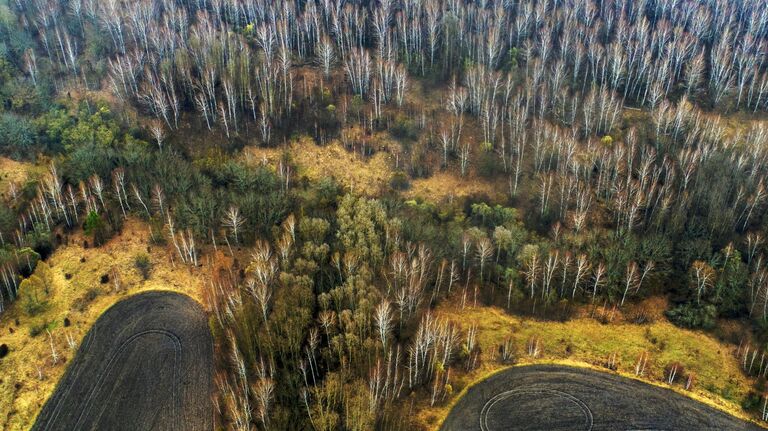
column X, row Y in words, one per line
column 145, row 365
column 555, row 398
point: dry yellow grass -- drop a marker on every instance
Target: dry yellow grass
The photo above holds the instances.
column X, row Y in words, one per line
column 22, row 391
column 733, row 124
column 74, row 93
column 368, row 176
column 13, row 172
column 444, row 186
column 585, row 342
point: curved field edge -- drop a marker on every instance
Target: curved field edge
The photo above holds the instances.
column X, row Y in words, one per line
column 156, row 311
column 737, row 413
column 103, row 312
column 78, row 295
column 575, row 374
column 577, row 343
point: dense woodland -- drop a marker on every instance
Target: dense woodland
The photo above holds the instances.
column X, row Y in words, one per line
column 620, row 132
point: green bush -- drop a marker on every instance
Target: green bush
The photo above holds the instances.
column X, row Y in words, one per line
column 38, row 328
column 95, row 226
column 751, row 402
column 405, row 129
column 693, row 316
column 143, row 264
column 488, row 165
column 399, row 181
column 17, row 136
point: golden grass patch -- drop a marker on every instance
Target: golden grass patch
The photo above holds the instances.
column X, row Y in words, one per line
column 77, row 274
column 371, row 175
column 365, row 175
column 13, row 172
column 444, row 186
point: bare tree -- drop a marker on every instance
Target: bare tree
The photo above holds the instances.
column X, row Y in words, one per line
column 631, row 280
column 358, row 68
column 262, row 294
column 233, row 221
column 158, row 132
column 582, row 266
column 383, row 317
column 264, row 392
column 325, row 55
column 703, row 278
column 484, row 250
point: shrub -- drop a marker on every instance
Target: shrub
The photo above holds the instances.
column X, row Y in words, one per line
column 693, row 316
column 95, row 226
column 157, row 231
column 488, row 164
column 507, row 352
column 143, row 264
column 399, row 181
column 38, row 328
column 17, row 136
column 81, row 303
column 419, row 165
column 34, row 290
column 404, row 129
column 675, row 371
column 751, row 402
column 640, row 315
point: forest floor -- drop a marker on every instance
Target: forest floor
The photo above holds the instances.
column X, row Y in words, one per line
column 77, row 295
column 586, row 342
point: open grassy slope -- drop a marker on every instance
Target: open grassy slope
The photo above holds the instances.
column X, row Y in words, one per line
column 15, row 172
column 365, row 175
column 586, row 342
column 29, row 374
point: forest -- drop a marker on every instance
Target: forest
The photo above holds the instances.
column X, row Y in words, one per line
column 624, row 145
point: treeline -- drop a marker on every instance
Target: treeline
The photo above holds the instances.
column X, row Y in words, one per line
column 230, row 61
column 244, row 67
column 106, row 173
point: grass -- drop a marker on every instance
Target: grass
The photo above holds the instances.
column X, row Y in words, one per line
column 78, row 295
column 443, row 186
column 17, row 173
column 371, row 175
column 368, row 176
column 585, row 342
